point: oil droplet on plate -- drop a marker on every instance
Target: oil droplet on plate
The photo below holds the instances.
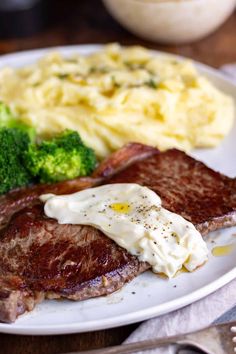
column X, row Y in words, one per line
column 225, row 250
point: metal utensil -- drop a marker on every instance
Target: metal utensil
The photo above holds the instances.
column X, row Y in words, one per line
column 218, row 339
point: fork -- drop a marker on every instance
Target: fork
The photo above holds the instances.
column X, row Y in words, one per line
column 218, row 339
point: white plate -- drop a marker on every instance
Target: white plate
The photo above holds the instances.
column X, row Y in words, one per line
column 147, row 295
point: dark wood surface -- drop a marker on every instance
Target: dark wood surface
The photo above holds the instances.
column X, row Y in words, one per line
column 86, row 21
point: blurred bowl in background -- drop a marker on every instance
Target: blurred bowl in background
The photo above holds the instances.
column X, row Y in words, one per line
column 171, row 21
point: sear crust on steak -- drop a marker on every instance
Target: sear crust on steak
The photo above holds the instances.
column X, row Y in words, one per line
column 40, row 258
column 187, row 187
column 18, row 199
column 43, row 259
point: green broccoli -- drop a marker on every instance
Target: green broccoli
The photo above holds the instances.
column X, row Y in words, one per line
column 8, row 120
column 63, row 157
column 13, row 142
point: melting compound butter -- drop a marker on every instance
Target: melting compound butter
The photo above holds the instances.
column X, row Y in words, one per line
column 134, row 218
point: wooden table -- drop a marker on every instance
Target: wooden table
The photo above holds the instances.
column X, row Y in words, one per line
column 86, row 21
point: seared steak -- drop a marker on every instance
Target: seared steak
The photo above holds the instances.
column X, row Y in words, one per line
column 187, row 187
column 41, row 259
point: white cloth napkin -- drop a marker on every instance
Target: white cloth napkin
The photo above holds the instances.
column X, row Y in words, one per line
column 195, row 316
column 190, row 318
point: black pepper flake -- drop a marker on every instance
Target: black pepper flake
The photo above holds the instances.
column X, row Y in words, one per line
column 133, row 292
column 175, row 286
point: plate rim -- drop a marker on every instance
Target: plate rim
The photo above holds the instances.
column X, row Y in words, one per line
column 135, row 316
column 117, row 321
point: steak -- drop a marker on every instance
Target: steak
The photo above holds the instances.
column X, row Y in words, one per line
column 186, row 187
column 40, row 258
column 43, row 259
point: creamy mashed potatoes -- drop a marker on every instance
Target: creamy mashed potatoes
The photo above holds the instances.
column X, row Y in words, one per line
column 119, row 95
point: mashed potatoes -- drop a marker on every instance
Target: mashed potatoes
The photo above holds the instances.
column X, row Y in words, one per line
column 119, row 95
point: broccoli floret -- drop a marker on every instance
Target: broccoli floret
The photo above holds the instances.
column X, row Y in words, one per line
column 30, row 131
column 63, row 157
column 13, row 143
column 8, row 120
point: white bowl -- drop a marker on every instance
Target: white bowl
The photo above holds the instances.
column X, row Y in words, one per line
column 171, row 21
